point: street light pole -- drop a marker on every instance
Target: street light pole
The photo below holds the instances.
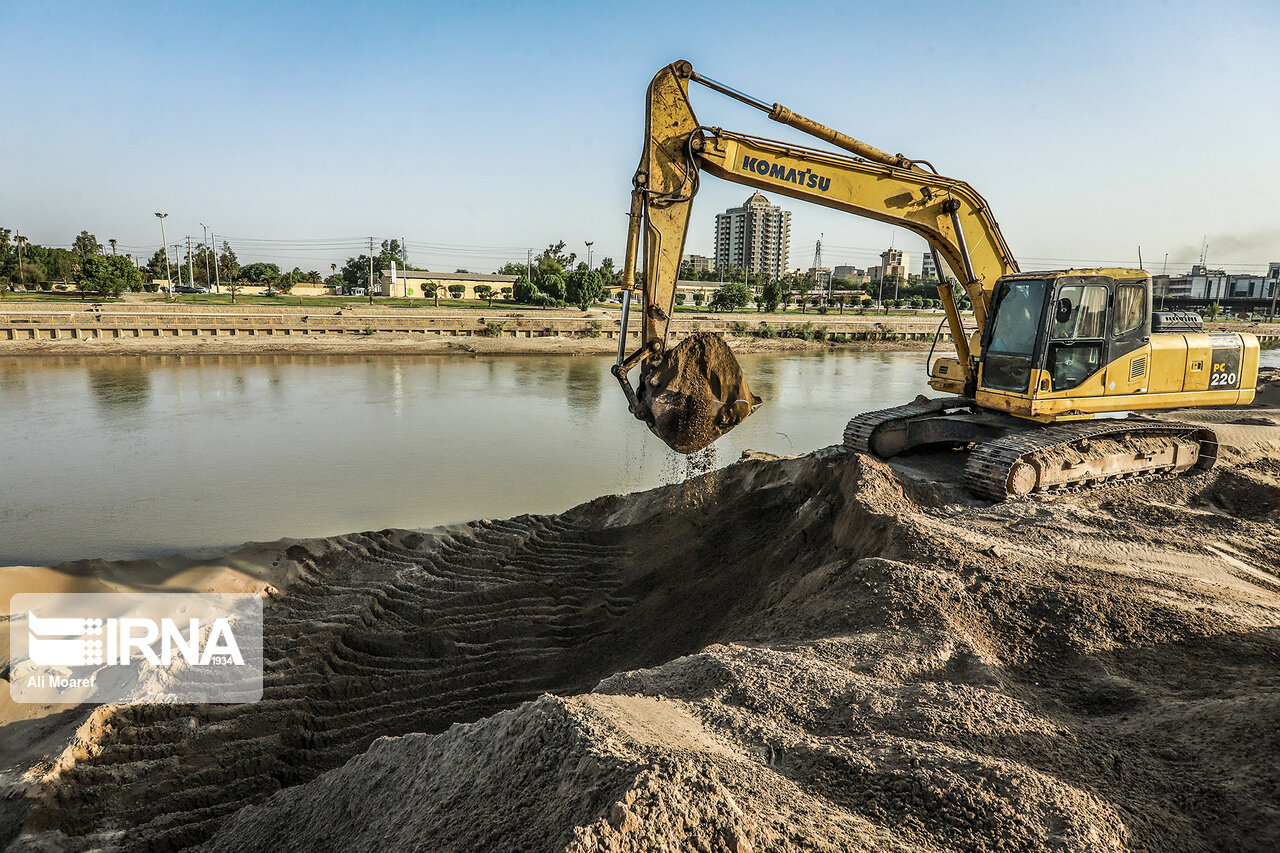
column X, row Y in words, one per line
column 165, row 245
column 206, row 252
column 589, row 245
column 191, row 272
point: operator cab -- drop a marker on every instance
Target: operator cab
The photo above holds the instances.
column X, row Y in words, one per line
column 1052, row 331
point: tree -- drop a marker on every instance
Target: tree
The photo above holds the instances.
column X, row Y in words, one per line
column 457, row 290
column 680, row 298
column 432, row 291
column 355, row 272
column 552, row 285
column 228, row 264
column 553, row 261
column 802, row 291
column 260, row 273
column 155, row 268
column 730, row 295
column 698, row 297
column 233, row 287
column 506, row 293
column 842, row 299
column 584, row 287
column 512, row 268
column 525, row 291
column 86, row 244
column 772, row 294
column 484, row 291
column 608, row 276
column 109, row 275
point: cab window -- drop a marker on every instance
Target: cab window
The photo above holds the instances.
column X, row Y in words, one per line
column 1007, row 361
column 1131, row 309
column 1075, row 339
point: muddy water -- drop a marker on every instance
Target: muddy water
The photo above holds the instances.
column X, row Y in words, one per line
column 124, row 457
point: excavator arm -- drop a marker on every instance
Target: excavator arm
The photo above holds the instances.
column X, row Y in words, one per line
column 951, row 216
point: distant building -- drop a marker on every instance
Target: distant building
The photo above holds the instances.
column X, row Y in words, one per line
column 700, row 263
column 927, row 267
column 1206, row 285
column 411, row 282
column 755, row 237
column 851, row 273
column 893, row 263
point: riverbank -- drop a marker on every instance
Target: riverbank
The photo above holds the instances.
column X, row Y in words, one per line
column 359, row 329
column 181, row 329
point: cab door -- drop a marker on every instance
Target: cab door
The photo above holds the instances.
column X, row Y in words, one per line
column 1129, row 355
column 1076, row 351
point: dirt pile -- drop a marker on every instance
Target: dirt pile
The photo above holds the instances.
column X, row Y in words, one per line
column 831, row 654
column 697, row 393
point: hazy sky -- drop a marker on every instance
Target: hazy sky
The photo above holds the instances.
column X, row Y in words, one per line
column 478, row 129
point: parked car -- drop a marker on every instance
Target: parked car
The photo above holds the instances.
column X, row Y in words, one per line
column 186, row 288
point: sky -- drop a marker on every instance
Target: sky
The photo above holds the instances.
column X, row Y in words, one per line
column 479, row 130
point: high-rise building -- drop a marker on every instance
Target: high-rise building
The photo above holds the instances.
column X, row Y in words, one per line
column 755, row 237
column 927, row 268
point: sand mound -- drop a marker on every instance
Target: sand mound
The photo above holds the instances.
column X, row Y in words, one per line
column 818, row 653
column 697, row 393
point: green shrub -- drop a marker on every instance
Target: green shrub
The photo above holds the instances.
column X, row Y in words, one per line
column 492, row 330
column 764, row 330
column 593, row 329
column 741, row 328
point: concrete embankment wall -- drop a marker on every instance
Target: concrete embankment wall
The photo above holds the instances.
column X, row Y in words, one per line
column 161, row 321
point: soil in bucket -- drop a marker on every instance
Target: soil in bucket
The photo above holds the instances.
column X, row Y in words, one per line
column 696, row 393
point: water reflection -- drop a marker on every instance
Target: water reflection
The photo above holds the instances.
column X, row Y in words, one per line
column 583, row 383
column 123, row 390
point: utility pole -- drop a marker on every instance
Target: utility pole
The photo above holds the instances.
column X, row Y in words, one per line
column 191, row 271
column 112, row 241
column 218, row 279
column 21, row 241
column 164, row 243
column 404, row 265
column 206, row 252
column 217, row 287
column 528, row 265
column 1275, row 291
column 589, row 244
column 370, row 270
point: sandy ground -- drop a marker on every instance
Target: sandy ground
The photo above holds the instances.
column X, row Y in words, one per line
column 824, row 652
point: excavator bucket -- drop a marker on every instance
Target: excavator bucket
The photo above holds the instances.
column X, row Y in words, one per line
column 696, row 393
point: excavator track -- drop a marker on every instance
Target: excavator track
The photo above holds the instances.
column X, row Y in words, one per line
column 1075, row 456
column 1018, row 458
column 861, row 430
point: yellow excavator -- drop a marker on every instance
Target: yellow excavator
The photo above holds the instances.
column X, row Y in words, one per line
column 1049, row 351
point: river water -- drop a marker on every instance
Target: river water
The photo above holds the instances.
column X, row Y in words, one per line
column 122, row 457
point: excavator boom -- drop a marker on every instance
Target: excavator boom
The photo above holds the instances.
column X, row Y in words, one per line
column 948, row 213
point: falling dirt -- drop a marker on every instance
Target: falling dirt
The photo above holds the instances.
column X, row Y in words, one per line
column 697, row 393
column 834, row 654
